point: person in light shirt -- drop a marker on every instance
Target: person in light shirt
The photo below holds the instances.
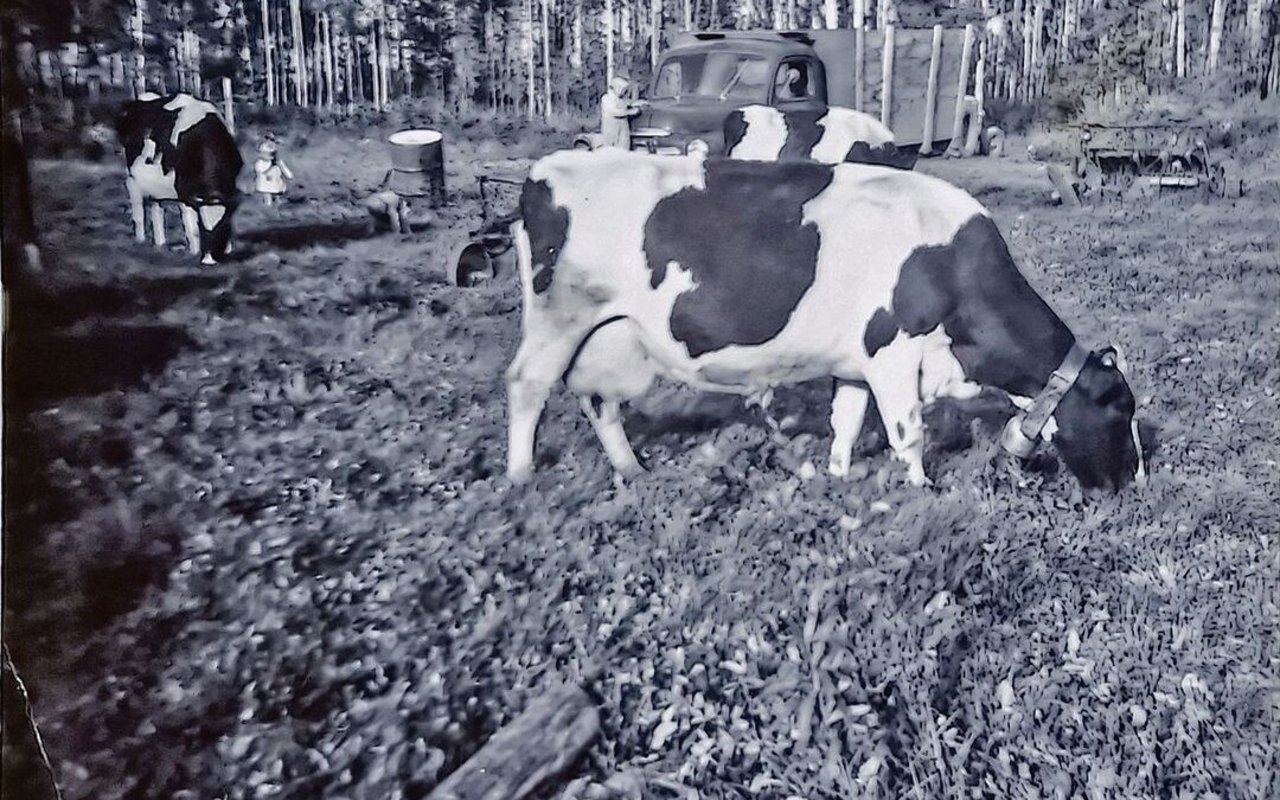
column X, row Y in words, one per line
column 616, row 114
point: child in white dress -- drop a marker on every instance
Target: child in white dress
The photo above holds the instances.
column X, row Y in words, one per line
column 271, row 173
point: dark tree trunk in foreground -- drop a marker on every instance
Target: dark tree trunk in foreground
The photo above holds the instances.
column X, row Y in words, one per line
column 552, row 733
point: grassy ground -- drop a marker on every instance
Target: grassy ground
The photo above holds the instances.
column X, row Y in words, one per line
column 260, row 545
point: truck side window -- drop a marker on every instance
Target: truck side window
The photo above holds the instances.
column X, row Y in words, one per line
column 793, row 81
column 669, row 83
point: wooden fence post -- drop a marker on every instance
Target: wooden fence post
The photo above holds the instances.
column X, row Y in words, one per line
column 931, row 93
column 962, row 87
column 886, row 78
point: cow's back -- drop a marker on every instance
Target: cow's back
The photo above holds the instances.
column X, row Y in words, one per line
column 185, row 137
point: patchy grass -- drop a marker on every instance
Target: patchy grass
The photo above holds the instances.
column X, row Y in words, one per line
column 280, row 560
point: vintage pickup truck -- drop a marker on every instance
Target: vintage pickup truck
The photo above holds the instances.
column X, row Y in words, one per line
column 705, row 75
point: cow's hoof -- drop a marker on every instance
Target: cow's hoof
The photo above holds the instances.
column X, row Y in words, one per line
column 838, row 469
column 628, row 473
column 208, row 261
column 520, row 476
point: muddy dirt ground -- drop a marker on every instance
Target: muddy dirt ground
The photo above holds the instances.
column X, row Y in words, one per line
column 259, row 543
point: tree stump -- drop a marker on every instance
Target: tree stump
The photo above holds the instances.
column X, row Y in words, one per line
column 551, row 734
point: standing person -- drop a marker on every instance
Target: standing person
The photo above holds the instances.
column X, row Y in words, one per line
column 616, row 114
column 271, row 172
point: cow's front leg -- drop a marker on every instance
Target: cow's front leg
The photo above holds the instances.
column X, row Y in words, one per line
column 606, row 419
column 848, row 408
column 538, row 364
column 157, row 223
column 191, row 226
column 136, row 211
column 894, row 378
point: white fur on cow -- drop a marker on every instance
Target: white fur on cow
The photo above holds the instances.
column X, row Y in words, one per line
column 739, row 276
column 830, row 136
column 178, row 149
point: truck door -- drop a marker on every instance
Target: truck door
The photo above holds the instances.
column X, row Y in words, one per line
column 799, row 85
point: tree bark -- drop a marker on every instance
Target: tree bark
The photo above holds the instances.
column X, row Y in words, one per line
column 1215, row 34
column 139, row 54
column 268, row 45
column 551, row 734
column 609, row 66
column 527, row 50
column 546, row 60
column 1180, row 53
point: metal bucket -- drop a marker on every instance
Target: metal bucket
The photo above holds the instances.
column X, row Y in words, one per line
column 417, row 164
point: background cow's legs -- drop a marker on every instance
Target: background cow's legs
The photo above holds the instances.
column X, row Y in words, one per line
column 157, row 223
column 894, row 378
column 607, row 422
column 136, row 210
column 848, row 407
column 538, row 364
column 191, row 224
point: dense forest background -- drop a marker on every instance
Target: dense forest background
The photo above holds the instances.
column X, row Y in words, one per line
column 551, row 57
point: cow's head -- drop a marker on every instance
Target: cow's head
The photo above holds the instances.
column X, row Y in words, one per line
column 1097, row 435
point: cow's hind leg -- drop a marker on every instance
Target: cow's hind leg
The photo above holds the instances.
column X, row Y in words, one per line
column 894, row 378
column 606, row 419
column 191, row 226
column 538, row 364
column 137, row 211
column 610, row 367
column 157, row 223
column 848, row 408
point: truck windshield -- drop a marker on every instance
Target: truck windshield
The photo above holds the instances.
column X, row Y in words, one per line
column 728, row 76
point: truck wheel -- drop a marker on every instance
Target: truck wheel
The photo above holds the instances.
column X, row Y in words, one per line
column 473, row 265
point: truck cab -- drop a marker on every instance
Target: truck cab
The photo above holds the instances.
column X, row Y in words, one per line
column 701, row 80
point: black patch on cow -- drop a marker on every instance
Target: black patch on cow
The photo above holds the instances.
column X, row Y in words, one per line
column 735, row 129
column 1002, row 332
column 547, row 226
column 880, row 331
column 887, row 154
column 205, row 161
column 744, row 242
column 803, row 133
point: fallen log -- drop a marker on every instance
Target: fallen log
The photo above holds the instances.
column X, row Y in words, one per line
column 549, row 736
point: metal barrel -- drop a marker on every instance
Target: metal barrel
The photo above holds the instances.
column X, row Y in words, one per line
column 417, row 164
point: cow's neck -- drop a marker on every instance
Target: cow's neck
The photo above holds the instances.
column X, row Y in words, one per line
column 1008, row 336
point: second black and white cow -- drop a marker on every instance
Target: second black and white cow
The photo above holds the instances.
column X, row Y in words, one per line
column 738, row 276
column 178, row 149
column 831, row 136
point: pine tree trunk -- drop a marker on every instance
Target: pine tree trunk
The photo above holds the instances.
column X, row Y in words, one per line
column 609, row 66
column 526, row 28
column 655, row 31
column 374, row 77
column 1180, row 53
column 317, row 64
column 546, row 60
column 575, row 51
column 299, row 67
column 1215, row 34
column 268, row 45
column 139, row 54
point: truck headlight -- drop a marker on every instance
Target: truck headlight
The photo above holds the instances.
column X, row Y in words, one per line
column 697, row 147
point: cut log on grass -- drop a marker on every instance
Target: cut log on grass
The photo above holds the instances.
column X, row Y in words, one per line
column 552, row 733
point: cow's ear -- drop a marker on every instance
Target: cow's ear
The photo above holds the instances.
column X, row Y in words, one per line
column 1112, row 356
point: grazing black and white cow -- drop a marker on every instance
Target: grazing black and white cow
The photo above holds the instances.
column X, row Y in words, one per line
column 765, row 133
column 738, row 276
column 177, row 148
